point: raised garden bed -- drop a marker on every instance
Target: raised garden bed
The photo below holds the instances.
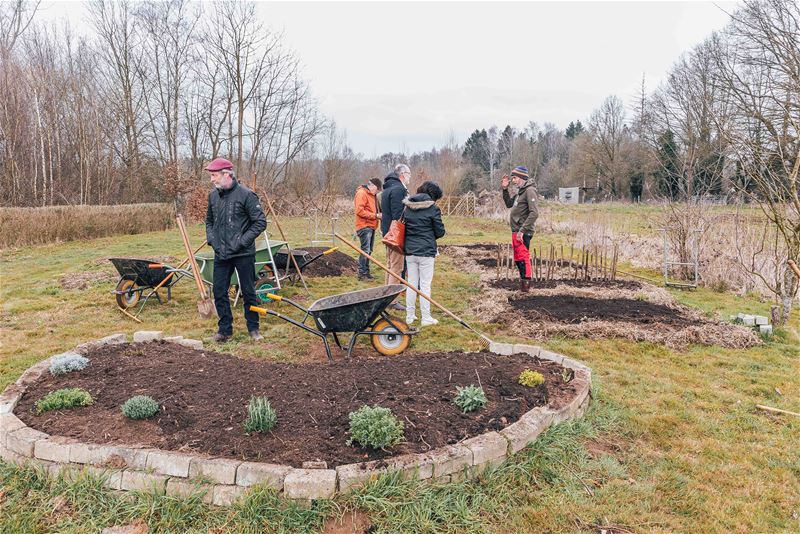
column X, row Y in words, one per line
column 204, row 398
column 196, row 441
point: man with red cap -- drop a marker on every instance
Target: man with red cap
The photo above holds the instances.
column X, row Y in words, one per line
column 233, row 222
column 523, row 215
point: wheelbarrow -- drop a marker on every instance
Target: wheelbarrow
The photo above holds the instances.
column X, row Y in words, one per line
column 360, row 312
column 303, row 259
column 138, row 276
column 265, row 280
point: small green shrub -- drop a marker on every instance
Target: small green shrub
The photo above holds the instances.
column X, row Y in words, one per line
column 261, row 416
column 64, row 398
column 68, row 362
column 470, row 398
column 376, row 427
column 530, row 378
column 140, row 407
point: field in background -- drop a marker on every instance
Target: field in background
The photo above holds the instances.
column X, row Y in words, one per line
column 672, row 442
column 37, row 226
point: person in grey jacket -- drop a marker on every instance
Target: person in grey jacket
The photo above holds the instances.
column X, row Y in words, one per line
column 234, row 220
column 423, row 227
column 522, row 218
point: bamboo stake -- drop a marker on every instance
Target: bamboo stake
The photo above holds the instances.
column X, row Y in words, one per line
column 776, row 410
column 498, row 262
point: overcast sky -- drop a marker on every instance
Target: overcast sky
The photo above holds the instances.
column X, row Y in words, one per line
column 404, row 75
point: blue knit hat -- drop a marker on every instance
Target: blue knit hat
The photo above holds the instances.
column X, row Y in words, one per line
column 520, row 172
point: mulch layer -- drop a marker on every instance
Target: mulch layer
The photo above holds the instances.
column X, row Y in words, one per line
column 334, row 264
column 573, row 309
column 204, row 395
column 550, row 284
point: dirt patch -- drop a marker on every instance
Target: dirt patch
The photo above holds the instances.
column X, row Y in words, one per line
column 571, row 309
column 86, row 279
column 513, row 285
column 350, row 523
column 204, row 396
column 334, row 264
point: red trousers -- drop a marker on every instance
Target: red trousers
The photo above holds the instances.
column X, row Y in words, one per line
column 522, row 256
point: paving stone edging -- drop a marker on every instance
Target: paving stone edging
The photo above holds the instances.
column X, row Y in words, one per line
column 225, row 480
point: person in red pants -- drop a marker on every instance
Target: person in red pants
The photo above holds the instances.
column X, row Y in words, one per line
column 522, row 218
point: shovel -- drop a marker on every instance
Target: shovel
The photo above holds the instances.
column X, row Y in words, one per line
column 205, row 306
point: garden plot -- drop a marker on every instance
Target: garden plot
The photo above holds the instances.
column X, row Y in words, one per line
column 334, row 264
column 580, row 308
column 203, row 398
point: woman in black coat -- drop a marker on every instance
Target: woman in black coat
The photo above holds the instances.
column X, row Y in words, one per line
column 423, row 227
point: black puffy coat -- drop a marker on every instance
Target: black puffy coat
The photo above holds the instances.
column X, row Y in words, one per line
column 423, row 226
column 391, row 201
column 233, row 221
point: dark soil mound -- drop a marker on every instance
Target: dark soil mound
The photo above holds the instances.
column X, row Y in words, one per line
column 549, row 284
column 204, row 396
column 334, row 264
column 571, row 309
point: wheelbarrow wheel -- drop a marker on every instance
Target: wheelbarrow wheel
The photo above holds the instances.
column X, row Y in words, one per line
column 390, row 342
column 127, row 296
column 265, row 283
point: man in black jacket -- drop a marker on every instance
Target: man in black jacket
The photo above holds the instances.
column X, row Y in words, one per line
column 233, row 222
column 395, row 189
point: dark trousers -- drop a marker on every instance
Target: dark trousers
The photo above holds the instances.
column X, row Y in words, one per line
column 223, row 270
column 367, row 238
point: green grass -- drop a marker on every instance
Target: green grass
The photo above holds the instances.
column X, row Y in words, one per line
column 671, row 443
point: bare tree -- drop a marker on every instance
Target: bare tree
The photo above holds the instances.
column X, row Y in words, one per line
column 759, row 73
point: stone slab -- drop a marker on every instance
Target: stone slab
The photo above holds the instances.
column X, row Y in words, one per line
column 112, row 478
column 9, row 423
column 192, row 343
column 54, row 449
column 310, row 484
column 108, row 456
column 143, row 336
column 271, row 475
column 450, row 459
column 141, row 481
column 113, row 339
column 217, row 470
column 185, row 488
column 417, row 466
column 173, row 339
column 761, row 320
column 173, row 464
column 10, row 397
column 504, row 349
column 486, row 448
column 533, row 350
column 22, row 441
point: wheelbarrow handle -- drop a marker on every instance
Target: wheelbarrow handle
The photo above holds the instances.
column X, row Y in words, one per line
column 330, row 251
column 265, row 311
column 279, row 298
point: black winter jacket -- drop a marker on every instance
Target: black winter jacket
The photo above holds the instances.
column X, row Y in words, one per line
column 391, row 201
column 423, row 226
column 233, row 221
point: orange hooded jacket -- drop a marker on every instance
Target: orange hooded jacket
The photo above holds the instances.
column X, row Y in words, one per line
column 366, row 209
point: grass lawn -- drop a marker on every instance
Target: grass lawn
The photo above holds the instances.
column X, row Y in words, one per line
column 672, row 442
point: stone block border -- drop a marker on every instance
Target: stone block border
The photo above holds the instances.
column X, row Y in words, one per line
column 225, row 480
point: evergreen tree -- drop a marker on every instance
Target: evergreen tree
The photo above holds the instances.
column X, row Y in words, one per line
column 573, row 130
column 669, row 176
column 475, row 150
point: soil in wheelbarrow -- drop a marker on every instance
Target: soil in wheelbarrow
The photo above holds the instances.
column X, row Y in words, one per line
column 572, row 309
column 334, row 264
column 204, row 396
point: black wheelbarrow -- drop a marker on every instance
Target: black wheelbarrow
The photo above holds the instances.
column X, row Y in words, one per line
column 360, row 312
column 138, row 276
column 303, row 258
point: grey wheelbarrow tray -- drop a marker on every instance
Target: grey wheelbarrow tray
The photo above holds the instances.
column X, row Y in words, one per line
column 360, row 312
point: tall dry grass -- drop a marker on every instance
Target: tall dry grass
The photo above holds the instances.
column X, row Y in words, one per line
column 37, row 226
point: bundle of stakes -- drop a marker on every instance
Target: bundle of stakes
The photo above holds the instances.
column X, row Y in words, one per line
column 585, row 263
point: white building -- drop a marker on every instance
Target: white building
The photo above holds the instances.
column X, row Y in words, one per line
column 569, row 195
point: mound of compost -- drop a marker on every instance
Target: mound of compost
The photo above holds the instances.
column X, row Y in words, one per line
column 513, row 285
column 573, row 309
column 334, row 264
column 204, row 396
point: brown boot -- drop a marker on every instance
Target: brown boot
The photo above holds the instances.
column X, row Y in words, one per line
column 524, row 285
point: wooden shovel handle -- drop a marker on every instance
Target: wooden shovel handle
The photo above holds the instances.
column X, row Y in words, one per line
column 195, row 269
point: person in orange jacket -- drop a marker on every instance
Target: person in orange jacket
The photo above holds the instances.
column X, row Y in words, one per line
column 367, row 217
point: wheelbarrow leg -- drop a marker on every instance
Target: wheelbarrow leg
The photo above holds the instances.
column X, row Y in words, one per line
column 327, row 348
column 351, row 345
column 336, row 339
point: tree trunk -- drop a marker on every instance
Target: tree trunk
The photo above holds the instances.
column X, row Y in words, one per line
column 788, row 291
